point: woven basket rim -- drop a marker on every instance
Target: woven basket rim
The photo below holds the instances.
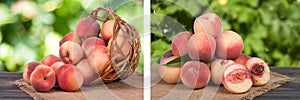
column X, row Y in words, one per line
column 126, row 66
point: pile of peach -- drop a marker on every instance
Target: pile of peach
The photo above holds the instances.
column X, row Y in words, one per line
column 81, row 57
column 212, row 55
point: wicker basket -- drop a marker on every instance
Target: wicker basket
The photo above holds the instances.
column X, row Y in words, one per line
column 119, row 69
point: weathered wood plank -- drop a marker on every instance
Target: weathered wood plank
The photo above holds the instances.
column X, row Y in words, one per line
column 288, row 91
column 8, row 91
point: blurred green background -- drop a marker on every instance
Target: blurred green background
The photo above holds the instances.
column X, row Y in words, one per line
column 270, row 28
column 31, row 29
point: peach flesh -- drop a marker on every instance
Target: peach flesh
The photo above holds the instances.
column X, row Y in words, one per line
column 70, row 37
column 43, row 78
column 201, row 47
column 87, row 27
column 179, row 43
column 260, row 71
column 70, row 52
column 208, row 23
column 29, row 68
column 69, row 78
column 169, row 74
column 195, row 74
column 50, row 59
column 229, row 45
column 236, row 78
column 217, row 68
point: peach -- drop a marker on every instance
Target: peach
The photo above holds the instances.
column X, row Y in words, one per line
column 260, row 71
column 107, row 30
column 29, row 68
column 195, row 74
column 69, row 77
column 50, row 59
column 89, row 44
column 98, row 58
column 57, row 65
column 242, row 59
column 70, row 37
column 70, row 52
column 87, row 27
column 43, row 78
column 90, row 74
column 236, row 78
column 229, row 45
column 201, row 47
column 170, row 74
column 208, row 23
column 217, row 68
column 179, row 43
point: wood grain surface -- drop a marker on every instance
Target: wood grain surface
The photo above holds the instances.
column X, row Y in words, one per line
column 289, row 91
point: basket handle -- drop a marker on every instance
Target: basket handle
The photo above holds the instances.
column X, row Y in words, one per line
column 108, row 12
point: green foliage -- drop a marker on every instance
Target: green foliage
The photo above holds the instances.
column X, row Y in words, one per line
column 269, row 28
column 30, row 34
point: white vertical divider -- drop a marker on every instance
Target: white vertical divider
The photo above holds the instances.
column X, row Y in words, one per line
column 147, row 48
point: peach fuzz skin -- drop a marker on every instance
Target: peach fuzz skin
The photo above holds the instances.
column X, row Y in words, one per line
column 90, row 74
column 87, row 27
column 179, row 43
column 70, row 37
column 203, row 50
column 169, row 74
column 43, row 78
column 98, row 58
column 195, row 74
column 69, row 78
column 107, row 30
column 229, row 45
column 208, row 23
column 29, row 68
column 89, row 44
column 50, row 59
column 70, row 52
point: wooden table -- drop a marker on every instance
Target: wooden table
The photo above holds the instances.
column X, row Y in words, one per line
column 288, row 91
